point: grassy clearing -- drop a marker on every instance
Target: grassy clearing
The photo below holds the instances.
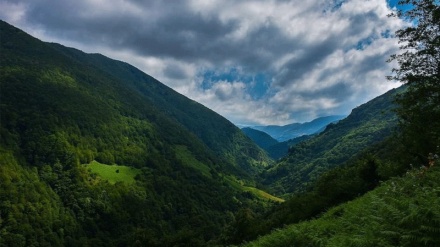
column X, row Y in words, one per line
column 262, row 194
column 114, row 173
column 257, row 192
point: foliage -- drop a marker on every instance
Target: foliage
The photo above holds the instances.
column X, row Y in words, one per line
column 403, row 211
column 31, row 214
column 338, row 185
column 61, row 108
column 419, row 69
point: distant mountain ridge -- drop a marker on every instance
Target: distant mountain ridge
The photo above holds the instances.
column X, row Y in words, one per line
column 290, row 131
column 367, row 124
column 274, row 148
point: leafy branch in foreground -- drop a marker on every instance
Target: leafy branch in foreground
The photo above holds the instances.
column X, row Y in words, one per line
column 419, row 69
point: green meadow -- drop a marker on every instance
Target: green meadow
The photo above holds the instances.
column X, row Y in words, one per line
column 114, row 173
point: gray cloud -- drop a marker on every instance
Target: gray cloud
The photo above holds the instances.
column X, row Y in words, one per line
column 300, row 66
column 310, row 48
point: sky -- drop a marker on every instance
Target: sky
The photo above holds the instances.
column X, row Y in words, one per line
column 256, row 62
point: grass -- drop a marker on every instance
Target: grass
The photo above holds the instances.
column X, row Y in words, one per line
column 262, row 194
column 114, row 173
column 404, row 211
column 257, row 192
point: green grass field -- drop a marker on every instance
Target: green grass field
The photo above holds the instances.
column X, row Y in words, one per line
column 114, row 173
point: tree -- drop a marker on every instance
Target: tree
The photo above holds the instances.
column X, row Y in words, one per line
column 419, row 69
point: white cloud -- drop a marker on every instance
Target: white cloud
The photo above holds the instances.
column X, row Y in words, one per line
column 320, row 57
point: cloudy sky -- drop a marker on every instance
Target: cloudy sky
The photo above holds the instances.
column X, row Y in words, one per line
column 253, row 61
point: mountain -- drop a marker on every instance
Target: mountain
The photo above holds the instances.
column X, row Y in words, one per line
column 290, row 131
column 262, row 139
column 94, row 152
column 367, row 124
column 273, row 148
column 281, row 149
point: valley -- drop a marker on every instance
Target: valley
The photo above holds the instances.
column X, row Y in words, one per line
column 95, row 152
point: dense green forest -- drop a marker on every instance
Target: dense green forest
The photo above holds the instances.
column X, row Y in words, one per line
column 184, row 170
column 93, row 152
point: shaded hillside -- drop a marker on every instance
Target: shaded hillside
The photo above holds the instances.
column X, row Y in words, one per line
column 274, row 149
column 290, row 131
column 262, row 139
column 61, row 109
column 281, row 149
column 367, row 124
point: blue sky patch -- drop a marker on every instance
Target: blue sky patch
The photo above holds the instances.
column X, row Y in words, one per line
column 257, row 84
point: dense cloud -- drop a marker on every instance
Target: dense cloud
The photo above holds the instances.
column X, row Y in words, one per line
column 316, row 57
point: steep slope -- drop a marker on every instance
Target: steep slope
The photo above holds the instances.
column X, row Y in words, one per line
column 262, row 139
column 61, row 109
column 403, row 211
column 367, row 124
column 220, row 135
column 290, row 131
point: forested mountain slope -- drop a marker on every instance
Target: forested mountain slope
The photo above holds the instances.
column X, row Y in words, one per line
column 367, row 124
column 261, row 138
column 220, row 135
column 61, row 109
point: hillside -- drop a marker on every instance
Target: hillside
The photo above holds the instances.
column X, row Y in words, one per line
column 69, row 118
column 274, row 149
column 367, row 124
column 281, row 149
column 290, row 131
column 403, row 211
column 262, row 139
